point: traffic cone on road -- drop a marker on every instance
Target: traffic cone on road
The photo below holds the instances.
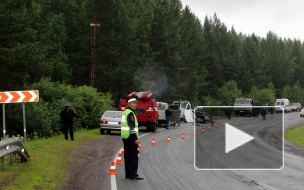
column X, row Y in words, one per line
column 122, row 152
column 153, row 143
column 139, row 147
column 222, row 124
column 112, row 170
column 193, row 135
column 183, row 137
column 118, row 161
column 168, row 140
column 250, row 120
column 203, row 132
column 217, row 126
column 209, row 129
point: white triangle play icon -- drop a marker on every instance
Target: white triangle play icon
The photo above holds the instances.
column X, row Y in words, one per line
column 235, row 138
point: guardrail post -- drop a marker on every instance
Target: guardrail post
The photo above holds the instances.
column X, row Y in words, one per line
column 9, row 159
column 14, row 157
column 2, row 164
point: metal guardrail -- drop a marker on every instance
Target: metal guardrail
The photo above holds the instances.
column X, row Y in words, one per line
column 12, row 146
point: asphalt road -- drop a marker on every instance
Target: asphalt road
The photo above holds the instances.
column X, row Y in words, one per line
column 171, row 165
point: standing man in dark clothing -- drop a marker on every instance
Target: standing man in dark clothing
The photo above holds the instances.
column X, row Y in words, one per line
column 67, row 115
column 264, row 112
column 129, row 134
column 228, row 111
column 168, row 113
column 271, row 109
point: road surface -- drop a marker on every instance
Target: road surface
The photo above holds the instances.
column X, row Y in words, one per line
column 169, row 166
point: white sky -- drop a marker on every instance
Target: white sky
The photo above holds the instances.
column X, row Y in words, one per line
column 283, row 17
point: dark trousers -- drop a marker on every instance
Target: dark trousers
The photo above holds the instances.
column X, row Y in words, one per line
column 131, row 158
column 168, row 122
column 68, row 127
column 229, row 115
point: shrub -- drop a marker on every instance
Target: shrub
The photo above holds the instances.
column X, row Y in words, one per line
column 43, row 117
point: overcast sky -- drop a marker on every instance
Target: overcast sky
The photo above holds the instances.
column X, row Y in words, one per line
column 283, row 17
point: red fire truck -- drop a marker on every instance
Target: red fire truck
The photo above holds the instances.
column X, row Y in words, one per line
column 146, row 110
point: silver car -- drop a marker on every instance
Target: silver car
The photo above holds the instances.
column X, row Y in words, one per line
column 302, row 113
column 110, row 120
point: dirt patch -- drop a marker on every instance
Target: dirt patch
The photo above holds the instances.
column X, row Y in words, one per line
column 89, row 165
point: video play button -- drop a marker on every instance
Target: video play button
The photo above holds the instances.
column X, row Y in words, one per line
column 235, row 138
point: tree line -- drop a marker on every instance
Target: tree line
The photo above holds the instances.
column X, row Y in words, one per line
column 157, row 45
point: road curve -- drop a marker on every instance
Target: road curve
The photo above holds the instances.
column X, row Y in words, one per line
column 171, row 165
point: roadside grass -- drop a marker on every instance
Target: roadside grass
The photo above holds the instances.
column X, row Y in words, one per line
column 46, row 168
column 296, row 135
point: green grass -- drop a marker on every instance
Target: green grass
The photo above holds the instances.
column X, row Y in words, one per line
column 296, row 135
column 46, row 168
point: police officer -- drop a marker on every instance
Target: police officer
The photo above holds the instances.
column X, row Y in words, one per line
column 67, row 115
column 129, row 134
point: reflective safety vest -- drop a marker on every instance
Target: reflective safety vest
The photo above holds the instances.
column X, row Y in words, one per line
column 125, row 129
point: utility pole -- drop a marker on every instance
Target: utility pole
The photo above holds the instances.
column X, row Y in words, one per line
column 94, row 53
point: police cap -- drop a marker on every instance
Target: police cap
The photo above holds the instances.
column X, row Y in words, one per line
column 132, row 98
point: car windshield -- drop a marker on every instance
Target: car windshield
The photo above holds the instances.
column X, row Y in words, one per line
column 241, row 102
column 161, row 107
column 113, row 114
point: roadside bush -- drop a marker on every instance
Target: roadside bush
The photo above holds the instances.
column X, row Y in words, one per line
column 208, row 101
column 265, row 95
column 43, row 117
column 229, row 92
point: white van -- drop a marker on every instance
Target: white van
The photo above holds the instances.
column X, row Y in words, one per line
column 161, row 107
column 284, row 103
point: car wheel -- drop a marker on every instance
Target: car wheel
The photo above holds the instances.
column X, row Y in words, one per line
column 102, row 131
column 108, row 131
column 148, row 128
column 152, row 127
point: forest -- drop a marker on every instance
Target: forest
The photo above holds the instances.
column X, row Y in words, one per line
column 141, row 45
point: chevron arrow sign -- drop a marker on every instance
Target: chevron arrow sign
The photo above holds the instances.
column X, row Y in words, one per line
column 19, row 96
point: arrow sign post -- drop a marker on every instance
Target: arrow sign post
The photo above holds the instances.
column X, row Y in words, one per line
column 18, row 97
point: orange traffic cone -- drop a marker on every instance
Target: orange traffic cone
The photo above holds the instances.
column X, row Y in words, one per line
column 153, row 143
column 168, row 140
column 222, row 124
column 193, row 135
column 139, row 147
column 112, row 170
column 118, row 161
column 122, row 152
column 217, row 126
column 203, row 132
column 183, row 137
column 209, row 129
column 250, row 120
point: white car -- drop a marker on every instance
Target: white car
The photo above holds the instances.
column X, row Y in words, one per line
column 110, row 120
column 302, row 113
column 296, row 107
